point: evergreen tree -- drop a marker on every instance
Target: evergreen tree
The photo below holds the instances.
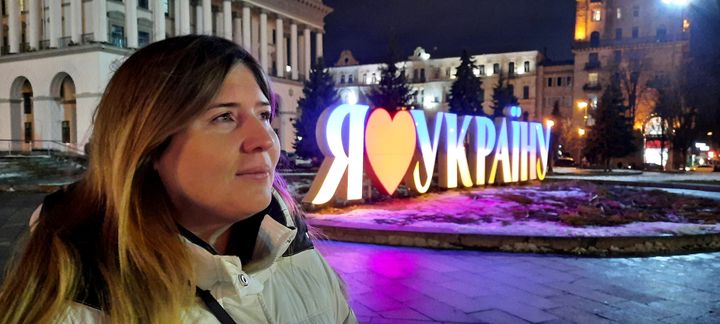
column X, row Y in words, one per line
column 466, row 97
column 503, row 96
column 319, row 93
column 393, row 91
column 611, row 135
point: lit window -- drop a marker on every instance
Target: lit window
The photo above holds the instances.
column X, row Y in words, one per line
column 686, row 25
column 619, row 13
column 476, row 72
column 596, row 15
column 593, row 78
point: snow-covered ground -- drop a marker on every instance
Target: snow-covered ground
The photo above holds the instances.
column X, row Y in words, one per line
column 490, row 211
column 633, row 176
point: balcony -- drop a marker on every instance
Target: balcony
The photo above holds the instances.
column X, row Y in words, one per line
column 592, row 65
column 592, row 87
column 631, row 41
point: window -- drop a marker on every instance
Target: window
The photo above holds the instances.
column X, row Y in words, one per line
column 526, row 92
column 511, row 68
column 593, row 58
column 350, row 78
column 617, row 56
column 481, row 69
column 422, row 75
column 618, row 13
column 476, row 72
column 143, row 4
column 496, row 68
column 165, row 5
column 596, row 15
column 636, row 11
column 415, row 75
column 447, row 72
column 549, row 83
column 143, row 39
column 511, row 89
column 342, row 79
column 117, row 35
column 595, row 39
column 661, row 34
column 526, row 66
column 568, row 81
column 618, row 33
column 635, row 32
column 27, row 103
column 686, row 25
column 593, row 78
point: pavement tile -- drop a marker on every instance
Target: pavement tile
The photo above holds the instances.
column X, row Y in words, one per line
column 405, row 314
column 497, row 316
column 439, row 311
column 526, row 312
column 581, row 303
column 575, row 315
column 377, row 302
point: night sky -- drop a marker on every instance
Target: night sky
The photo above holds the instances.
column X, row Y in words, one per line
column 446, row 27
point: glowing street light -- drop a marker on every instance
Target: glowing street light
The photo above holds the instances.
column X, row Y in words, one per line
column 550, row 123
column 679, row 3
column 582, row 104
column 581, row 132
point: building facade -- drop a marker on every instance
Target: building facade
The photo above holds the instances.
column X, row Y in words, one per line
column 637, row 40
column 432, row 78
column 56, row 56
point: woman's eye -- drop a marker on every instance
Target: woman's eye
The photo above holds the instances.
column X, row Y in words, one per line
column 226, row 117
column 267, row 116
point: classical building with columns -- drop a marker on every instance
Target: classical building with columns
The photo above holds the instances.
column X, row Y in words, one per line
column 56, row 56
column 432, row 78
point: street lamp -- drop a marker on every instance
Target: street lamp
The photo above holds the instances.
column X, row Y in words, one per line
column 581, row 133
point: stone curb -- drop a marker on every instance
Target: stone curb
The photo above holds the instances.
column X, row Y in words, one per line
column 581, row 246
column 670, row 185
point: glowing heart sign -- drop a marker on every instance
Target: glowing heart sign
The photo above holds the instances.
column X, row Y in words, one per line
column 389, row 147
column 469, row 151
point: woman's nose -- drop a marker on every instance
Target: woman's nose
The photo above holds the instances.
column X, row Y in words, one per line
column 258, row 137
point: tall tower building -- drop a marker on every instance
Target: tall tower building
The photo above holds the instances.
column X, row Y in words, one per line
column 637, row 40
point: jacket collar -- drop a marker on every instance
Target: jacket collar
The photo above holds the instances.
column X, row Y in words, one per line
column 273, row 240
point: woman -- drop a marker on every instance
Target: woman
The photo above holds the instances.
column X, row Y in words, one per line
column 181, row 217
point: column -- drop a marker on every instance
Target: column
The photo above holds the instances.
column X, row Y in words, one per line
column 294, row 50
column 100, row 21
column 263, row 42
column 184, row 17
column 227, row 19
column 237, row 31
column 246, row 29
column 33, row 24
column 219, row 23
column 308, row 61
column 318, row 45
column 2, row 44
column 206, row 17
column 199, row 20
column 54, row 27
column 176, row 16
column 76, row 21
column 131, row 31
column 158, row 21
column 279, row 48
column 13, row 12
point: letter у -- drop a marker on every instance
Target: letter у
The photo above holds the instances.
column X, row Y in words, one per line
column 453, row 159
column 428, row 143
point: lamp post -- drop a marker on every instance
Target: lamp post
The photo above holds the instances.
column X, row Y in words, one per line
column 581, row 133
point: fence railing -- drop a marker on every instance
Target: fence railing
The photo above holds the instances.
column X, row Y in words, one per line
column 49, row 147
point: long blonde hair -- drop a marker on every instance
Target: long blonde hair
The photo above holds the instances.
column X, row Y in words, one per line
column 145, row 274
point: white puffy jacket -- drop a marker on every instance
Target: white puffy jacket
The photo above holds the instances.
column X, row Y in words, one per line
column 275, row 287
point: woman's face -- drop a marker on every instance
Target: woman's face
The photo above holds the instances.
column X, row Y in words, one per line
column 220, row 169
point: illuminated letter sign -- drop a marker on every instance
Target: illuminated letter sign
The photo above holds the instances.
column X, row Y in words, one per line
column 404, row 147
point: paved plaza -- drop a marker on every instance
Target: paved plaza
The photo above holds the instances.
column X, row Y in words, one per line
column 412, row 285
